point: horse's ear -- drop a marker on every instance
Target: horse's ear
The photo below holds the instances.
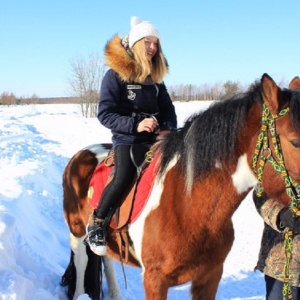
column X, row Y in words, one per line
column 272, row 94
column 295, row 84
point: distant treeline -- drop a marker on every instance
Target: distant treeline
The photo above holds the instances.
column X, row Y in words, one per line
column 184, row 92
column 11, row 99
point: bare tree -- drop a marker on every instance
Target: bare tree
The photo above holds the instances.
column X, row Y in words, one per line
column 34, row 99
column 85, row 81
column 189, row 92
column 7, row 98
column 231, row 88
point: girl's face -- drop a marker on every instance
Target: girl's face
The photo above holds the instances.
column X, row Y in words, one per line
column 151, row 44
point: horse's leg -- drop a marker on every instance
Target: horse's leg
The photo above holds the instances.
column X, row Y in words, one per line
column 110, row 275
column 80, row 261
column 155, row 284
column 69, row 277
column 208, row 290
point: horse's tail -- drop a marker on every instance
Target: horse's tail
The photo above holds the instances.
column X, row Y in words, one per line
column 76, row 180
column 92, row 276
column 69, row 277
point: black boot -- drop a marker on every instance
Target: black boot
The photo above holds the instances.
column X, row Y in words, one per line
column 96, row 234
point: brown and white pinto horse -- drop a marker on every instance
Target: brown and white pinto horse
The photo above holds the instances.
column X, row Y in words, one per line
column 206, row 169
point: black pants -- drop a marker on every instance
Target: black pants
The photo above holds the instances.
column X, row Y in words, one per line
column 274, row 289
column 125, row 172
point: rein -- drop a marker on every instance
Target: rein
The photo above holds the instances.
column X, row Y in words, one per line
column 263, row 154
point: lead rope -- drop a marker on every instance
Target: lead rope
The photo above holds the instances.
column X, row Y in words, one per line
column 292, row 187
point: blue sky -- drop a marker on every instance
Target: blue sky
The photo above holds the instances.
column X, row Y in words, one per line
column 205, row 42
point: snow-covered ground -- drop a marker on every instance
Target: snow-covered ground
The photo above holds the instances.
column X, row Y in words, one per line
column 36, row 142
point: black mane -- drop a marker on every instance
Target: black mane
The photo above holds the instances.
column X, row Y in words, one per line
column 209, row 135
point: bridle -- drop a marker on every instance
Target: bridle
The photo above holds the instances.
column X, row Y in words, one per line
column 263, row 154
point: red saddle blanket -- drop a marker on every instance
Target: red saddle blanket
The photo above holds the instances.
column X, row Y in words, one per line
column 143, row 189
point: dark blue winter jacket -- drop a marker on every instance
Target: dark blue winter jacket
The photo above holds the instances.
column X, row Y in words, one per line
column 123, row 105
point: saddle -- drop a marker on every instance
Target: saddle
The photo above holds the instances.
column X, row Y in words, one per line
column 141, row 156
column 132, row 204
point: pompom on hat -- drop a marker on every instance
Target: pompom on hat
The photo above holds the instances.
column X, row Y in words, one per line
column 141, row 29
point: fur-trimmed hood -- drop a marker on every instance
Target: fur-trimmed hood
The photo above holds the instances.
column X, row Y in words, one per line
column 119, row 60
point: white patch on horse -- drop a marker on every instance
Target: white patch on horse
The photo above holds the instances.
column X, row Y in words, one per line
column 136, row 230
column 80, row 262
column 243, row 178
column 112, row 283
column 218, row 165
column 190, row 164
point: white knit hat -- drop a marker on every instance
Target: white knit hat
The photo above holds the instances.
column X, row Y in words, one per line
column 141, row 29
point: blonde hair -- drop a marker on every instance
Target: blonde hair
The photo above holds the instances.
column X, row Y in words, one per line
column 157, row 68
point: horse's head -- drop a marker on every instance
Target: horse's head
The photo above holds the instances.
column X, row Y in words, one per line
column 280, row 146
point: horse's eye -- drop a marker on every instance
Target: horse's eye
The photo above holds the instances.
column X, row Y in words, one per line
column 296, row 143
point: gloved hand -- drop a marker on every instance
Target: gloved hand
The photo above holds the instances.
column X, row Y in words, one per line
column 286, row 219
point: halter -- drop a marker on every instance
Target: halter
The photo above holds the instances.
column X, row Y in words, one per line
column 262, row 154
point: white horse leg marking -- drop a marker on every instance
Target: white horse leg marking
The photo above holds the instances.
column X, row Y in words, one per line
column 80, row 261
column 112, row 283
column 243, row 178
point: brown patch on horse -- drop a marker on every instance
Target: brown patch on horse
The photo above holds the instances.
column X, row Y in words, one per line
column 76, row 179
column 197, row 241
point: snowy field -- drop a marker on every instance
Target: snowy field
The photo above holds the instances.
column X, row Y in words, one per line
column 36, row 142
